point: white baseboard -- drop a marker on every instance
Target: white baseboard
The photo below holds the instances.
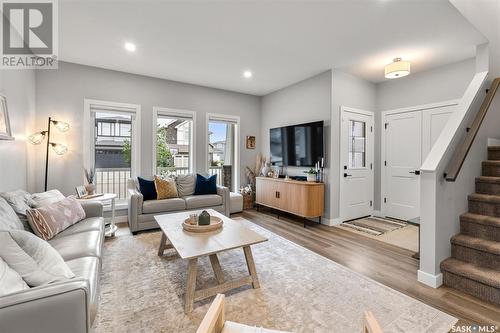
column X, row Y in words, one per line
column 330, row 222
column 434, row 281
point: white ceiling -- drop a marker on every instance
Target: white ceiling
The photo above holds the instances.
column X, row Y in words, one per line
column 211, row 43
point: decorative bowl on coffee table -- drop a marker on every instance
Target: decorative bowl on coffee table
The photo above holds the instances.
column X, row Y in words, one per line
column 215, row 224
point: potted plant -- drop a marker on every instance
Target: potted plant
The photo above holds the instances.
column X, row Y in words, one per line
column 90, row 177
column 311, row 175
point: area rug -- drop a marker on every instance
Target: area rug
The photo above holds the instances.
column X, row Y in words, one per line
column 405, row 237
column 374, row 225
column 300, row 291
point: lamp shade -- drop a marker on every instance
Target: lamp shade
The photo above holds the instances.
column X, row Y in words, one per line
column 36, row 138
column 60, row 149
column 61, row 125
column 397, row 69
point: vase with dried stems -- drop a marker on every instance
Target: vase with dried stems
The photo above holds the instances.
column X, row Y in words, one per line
column 90, row 177
column 253, row 172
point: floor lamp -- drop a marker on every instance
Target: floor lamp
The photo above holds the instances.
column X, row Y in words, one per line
column 60, row 149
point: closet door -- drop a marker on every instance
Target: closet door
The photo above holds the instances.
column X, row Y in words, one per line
column 403, row 158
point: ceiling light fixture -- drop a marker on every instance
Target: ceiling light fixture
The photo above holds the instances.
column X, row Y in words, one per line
column 130, row 47
column 247, row 74
column 397, row 69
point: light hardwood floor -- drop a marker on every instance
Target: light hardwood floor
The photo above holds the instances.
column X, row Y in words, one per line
column 385, row 263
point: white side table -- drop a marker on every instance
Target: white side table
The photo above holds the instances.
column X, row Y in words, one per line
column 107, row 199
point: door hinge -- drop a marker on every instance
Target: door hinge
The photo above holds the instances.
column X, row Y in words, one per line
column 385, row 200
column 371, row 128
column 371, row 166
column 386, row 125
column 385, row 163
column 371, row 203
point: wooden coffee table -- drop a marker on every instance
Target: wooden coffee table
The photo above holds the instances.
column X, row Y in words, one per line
column 192, row 246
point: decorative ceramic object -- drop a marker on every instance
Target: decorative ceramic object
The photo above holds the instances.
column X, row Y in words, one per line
column 90, row 189
column 311, row 177
column 266, row 169
column 193, row 219
column 204, row 218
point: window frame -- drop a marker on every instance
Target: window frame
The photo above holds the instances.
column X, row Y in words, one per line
column 89, row 131
column 158, row 112
column 220, row 117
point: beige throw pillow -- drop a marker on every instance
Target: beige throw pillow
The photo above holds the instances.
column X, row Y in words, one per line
column 165, row 188
column 10, row 280
column 185, row 184
column 32, row 258
column 50, row 220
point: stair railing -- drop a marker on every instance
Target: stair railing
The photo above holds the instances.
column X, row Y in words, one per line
column 460, row 154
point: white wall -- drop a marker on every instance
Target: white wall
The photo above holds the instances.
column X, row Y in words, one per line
column 351, row 91
column 484, row 16
column 19, row 88
column 435, row 85
column 318, row 98
column 60, row 94
column 305, row 101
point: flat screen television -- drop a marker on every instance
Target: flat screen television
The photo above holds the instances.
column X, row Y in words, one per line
column 298, row 145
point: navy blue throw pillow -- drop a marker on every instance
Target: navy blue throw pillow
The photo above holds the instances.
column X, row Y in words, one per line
column 147, row 188
column 205, row 185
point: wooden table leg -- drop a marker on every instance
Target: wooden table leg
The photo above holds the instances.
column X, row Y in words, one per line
column 251, row 266
column 191, row 284
column 163, row 242
column 216, row 267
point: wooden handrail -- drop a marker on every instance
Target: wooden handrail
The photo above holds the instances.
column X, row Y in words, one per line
column 461, row 152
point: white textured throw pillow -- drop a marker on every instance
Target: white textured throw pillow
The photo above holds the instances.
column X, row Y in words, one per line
column 33, row 258
column 10, row 280
column 46, row 198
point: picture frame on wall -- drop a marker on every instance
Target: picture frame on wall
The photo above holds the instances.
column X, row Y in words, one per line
column 250, row 142
column 5, row 130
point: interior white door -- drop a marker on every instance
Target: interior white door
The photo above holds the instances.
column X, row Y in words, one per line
column 356, row 179
column 403, row 158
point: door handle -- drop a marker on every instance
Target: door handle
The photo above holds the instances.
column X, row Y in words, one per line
column 416, row 172
column 346, row 175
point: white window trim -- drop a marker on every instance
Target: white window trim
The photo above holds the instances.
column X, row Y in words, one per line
column 231, row 118
column 88, row 132
column 162, row 111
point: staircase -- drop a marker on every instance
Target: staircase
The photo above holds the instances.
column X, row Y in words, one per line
column 474, row 266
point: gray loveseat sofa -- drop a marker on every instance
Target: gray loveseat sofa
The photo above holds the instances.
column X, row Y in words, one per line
column 141, row 213
column 68, row 306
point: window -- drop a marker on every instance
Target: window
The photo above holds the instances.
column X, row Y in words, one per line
column 357, row 144
column 222, row 150
column 173, row 141
column 113, row 142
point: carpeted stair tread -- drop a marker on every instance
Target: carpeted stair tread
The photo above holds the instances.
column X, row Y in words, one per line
column 488, row 179
column 477, row 243
column 481, row 219
column 489, row 198
column 491, row 162
column 485, row 276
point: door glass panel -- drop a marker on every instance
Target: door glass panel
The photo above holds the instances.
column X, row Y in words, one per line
column 357, row 144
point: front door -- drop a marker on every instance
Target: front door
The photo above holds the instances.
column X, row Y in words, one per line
column 356, row 178
column 403, row 158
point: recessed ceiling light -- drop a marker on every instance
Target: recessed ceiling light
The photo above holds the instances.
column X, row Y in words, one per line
column 130, row 47
column 247, row 74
